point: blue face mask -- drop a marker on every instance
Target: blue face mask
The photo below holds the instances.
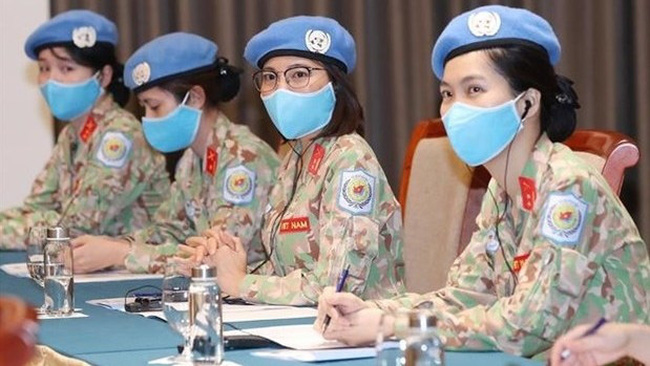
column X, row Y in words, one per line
column 297, row 115
column 480, row 134
column 70, row 101
column 176, row 131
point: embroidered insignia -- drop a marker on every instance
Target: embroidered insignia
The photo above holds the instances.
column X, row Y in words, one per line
column 484, row 23
column 528, row 193
column 295, row 225
column 88, row 129
column 114, row 149
column 239, row 185
column 84, row 37
column 317, row 41
column 141, row 73
column 210, row 160
column 316, row 159
column 357, row 192
column 564, row 218
column 519, row 262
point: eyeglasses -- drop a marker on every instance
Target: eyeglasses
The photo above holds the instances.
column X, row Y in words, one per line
column 296, row 77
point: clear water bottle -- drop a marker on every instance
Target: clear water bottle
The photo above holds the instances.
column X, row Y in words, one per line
column 206, row 328
column 58, row 274
column 419, row 341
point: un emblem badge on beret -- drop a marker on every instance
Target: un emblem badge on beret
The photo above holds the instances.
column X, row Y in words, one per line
column 84, row 37
column 484, row 23
column 317, row 41
column 141, row 73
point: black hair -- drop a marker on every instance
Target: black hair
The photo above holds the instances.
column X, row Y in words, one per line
column 96, row 57
column 220, row 82
column 348, row 113
column 524, row 67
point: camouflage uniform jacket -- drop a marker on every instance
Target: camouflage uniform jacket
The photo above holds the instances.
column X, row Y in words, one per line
column 343, row 213
column 103, row 179
column 572, row 246
column 228, row 186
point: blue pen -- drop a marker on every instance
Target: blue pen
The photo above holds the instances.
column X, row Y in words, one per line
column 339, row 287
column 566, row 353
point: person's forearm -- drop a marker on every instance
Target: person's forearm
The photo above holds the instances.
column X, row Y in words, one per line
column 639, row 342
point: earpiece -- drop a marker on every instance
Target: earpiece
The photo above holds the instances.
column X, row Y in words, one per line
column 528, row 104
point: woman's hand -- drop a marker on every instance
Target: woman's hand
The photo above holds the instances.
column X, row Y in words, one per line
column 94, row 253
column 610, row 343
column 230, row 263
column 352, row 321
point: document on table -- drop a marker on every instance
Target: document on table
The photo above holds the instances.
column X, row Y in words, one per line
column 20, row 270
column 231, row 313
column 307, row 345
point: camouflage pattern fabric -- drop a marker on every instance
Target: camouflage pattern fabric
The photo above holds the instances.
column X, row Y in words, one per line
column 572, row 247
column 343, row 213
column 228, row 187
column 103, row 179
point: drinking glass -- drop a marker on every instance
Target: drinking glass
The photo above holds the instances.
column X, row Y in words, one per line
column 36, row 239
column 176, row 308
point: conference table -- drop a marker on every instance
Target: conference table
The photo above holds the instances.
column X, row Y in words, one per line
column 110, row 337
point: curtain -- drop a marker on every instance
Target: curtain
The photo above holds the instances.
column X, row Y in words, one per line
column 605, row 50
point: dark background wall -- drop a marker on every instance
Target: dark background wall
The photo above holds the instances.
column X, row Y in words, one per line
column 605, row 46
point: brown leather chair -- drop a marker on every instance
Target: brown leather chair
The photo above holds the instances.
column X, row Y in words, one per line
column 437, row 188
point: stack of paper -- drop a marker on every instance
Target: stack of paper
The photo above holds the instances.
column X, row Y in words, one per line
column 20, row 270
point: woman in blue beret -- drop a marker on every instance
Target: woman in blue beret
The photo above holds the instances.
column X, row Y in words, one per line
column 332, row 210
column 554, row 244
column 225, row 174
column 102, row 177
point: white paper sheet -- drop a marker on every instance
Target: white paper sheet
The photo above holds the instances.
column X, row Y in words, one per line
column 299, row 337
column 231, row 313
column 317, row 355
column 20, row 270
column 76, row 314
column 169, row 360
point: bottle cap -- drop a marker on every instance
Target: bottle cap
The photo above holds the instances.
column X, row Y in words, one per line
column 57, row 233
column 204, row 271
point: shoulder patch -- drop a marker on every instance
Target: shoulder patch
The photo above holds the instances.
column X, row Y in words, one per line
column 357, row 192
column 114, row 149
column 239, row 185
column 564, row 218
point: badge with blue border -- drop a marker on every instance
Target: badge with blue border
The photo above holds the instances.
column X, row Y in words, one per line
column 239, row 185
column 564, row 218
column 357, row 192
column 114, row 149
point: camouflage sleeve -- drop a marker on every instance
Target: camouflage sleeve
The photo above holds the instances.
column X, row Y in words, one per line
column 151, row 246
column 349, row 233
column 117, row 174
column 564, row 269
column 244, row 219
column 42, row 205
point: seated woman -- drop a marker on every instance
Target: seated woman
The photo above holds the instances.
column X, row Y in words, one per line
column 226, row 173
column 332, row 208
column 102, row 177
column 555, row 245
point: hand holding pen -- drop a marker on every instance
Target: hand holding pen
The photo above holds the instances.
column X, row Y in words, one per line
column 339, row 288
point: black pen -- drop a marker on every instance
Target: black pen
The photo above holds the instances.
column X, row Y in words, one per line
column 339, row 288
column 566, row 353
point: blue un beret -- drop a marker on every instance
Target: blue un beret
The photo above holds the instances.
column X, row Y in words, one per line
column 319, row 38
column 493, row 25
column 81, row 28
column 168, row 57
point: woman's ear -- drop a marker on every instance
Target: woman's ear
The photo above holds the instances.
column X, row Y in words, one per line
column 530, row 104
column 105, row 76
column 197, row 97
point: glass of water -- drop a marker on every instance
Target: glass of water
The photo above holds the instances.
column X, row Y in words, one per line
column 35, row 244
column 176, row 307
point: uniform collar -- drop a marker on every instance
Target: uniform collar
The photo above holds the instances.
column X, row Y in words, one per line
column 533, row 173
